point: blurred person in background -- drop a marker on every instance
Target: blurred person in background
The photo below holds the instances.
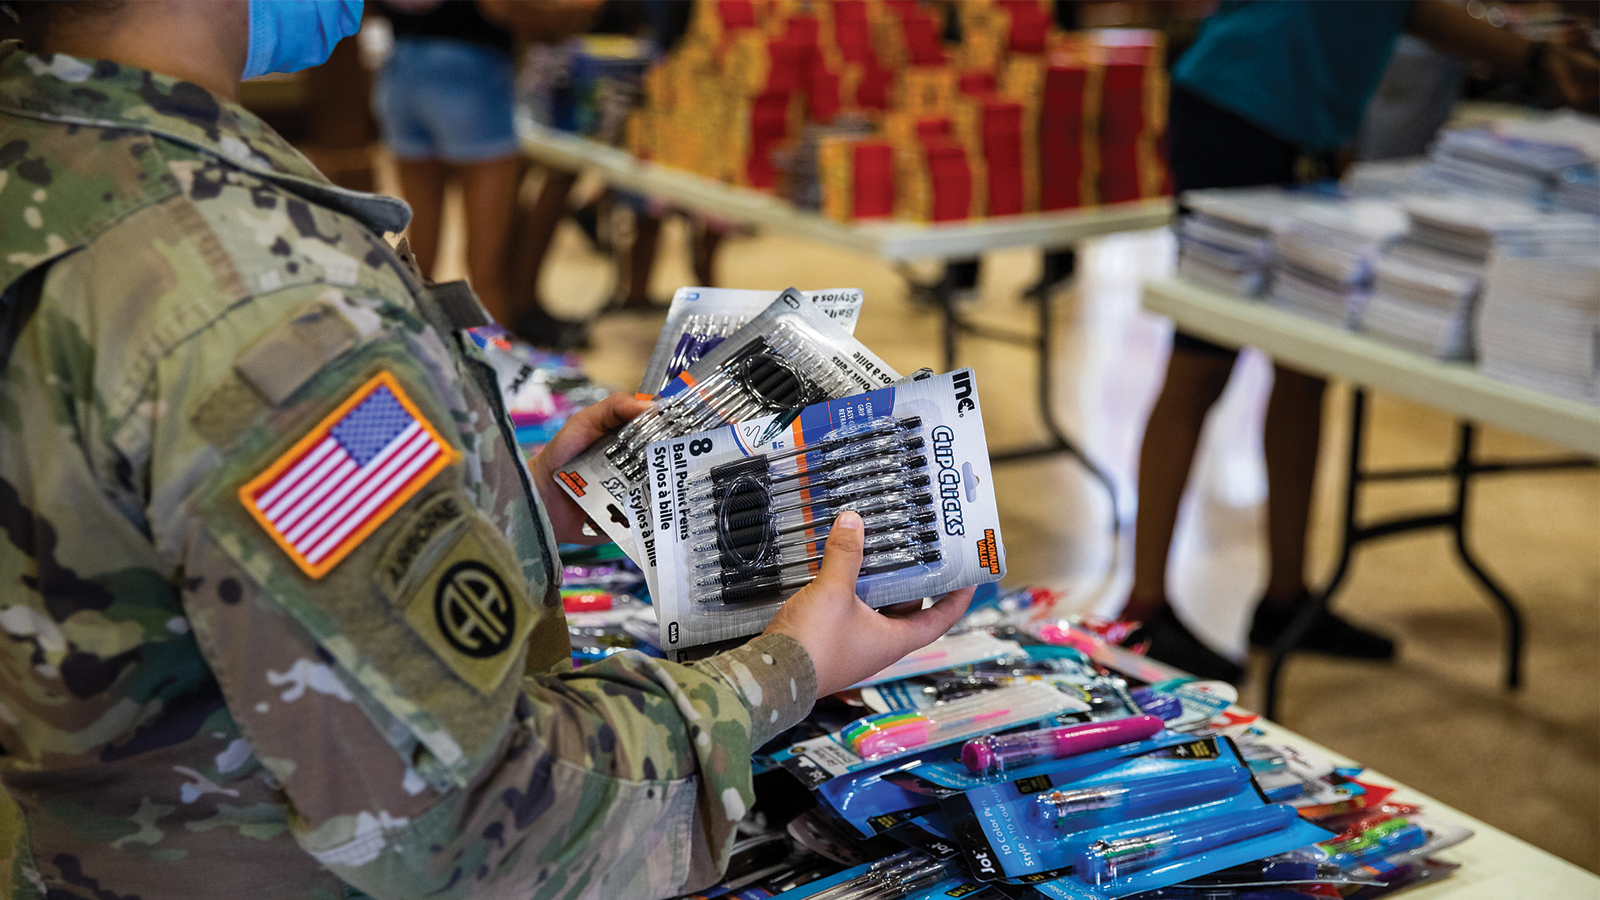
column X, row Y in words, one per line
column 1270, row 93
column 661, row 24
column 444, row 103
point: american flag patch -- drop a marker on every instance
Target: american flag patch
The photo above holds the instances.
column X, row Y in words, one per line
column 337, row 484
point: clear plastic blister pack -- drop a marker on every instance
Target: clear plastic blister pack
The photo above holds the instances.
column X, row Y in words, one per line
column 1149, row 821
column 739, row 515
column 788, row 357
column 700, row 318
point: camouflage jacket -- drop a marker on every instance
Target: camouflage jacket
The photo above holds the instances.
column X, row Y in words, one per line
column 201, row 697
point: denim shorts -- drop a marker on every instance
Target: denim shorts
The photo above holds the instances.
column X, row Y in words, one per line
column 438, row 98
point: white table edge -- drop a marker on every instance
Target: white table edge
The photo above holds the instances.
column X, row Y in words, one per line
column 890, row 240
column 1457, row 388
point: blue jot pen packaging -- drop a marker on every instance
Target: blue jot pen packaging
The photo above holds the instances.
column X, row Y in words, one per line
column 1149, row 821
column 740, row 514
column 880, row 799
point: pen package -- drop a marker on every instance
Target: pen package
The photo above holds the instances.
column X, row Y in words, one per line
column 1107, row 696
column 790, row 356
column 1159, row 852
column 1039, row 829
column 879, row 799
column 740, row 515
column 948, row 652
column 884, row 737
column 1188, row 703
column 700, row 318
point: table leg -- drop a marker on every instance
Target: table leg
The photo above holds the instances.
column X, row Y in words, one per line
column 1043, row 342
column 1464, row 470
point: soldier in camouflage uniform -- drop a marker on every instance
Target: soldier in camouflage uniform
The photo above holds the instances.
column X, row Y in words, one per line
column 193, row 701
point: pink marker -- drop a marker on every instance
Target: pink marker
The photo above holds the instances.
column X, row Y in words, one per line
column 993, row 753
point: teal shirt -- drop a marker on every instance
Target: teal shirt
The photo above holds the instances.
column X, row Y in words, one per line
column 1301, row 70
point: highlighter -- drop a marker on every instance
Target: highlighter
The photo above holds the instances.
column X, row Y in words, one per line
column 994, row 753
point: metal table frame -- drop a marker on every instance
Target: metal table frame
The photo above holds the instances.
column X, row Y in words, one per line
column 1456, row 388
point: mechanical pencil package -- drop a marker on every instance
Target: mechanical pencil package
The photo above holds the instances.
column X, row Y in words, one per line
column 700, row 318
column 788, row 357
column 740, row 514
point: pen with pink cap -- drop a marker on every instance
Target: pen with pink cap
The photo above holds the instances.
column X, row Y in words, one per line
column 996, row 752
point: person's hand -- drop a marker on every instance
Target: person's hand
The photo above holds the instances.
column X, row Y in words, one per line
column 847, row 639
column 582, row 430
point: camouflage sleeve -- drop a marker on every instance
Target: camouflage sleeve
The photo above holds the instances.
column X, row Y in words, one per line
column 376, row 664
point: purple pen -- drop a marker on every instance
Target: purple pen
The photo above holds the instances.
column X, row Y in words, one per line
column 994, row 753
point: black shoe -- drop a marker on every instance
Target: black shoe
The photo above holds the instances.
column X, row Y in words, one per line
column 541, row 329
column 1170, row 642
column 1329, row 634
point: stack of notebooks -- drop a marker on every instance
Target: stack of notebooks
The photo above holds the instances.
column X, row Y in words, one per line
column 1577, row 191
column 1546, row 160
column 1539, row 323
column 1427, row 286
column 1325, row 257
column 1225, row 242
column 1490, row 163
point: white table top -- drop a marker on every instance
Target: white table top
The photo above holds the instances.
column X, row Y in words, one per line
column 893, row 241
column 1494, row 865
column 1457, row 388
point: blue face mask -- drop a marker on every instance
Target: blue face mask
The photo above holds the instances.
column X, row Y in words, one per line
column 290, row 35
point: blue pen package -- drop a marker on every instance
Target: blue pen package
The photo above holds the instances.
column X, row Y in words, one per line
column 700, row 318
column 1157, row 852
column 880, row 799
column 740, row 514
column 1035, row 828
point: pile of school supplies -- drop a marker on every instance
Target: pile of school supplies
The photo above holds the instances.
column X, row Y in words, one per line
column 893, row 108
column 1028, row 767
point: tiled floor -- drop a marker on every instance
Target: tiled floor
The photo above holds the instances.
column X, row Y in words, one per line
column 1436, row 718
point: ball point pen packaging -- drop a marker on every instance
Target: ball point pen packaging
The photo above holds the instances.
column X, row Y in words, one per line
column 791, row 355
column 700, row 318
column 740, row 515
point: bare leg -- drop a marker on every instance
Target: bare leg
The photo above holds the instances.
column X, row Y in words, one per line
column 422, row 182
column 1294, row 433
column 489, row 190
column 707, row 240
column 641, row 261
column 1195, row 380
column 534, row 229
